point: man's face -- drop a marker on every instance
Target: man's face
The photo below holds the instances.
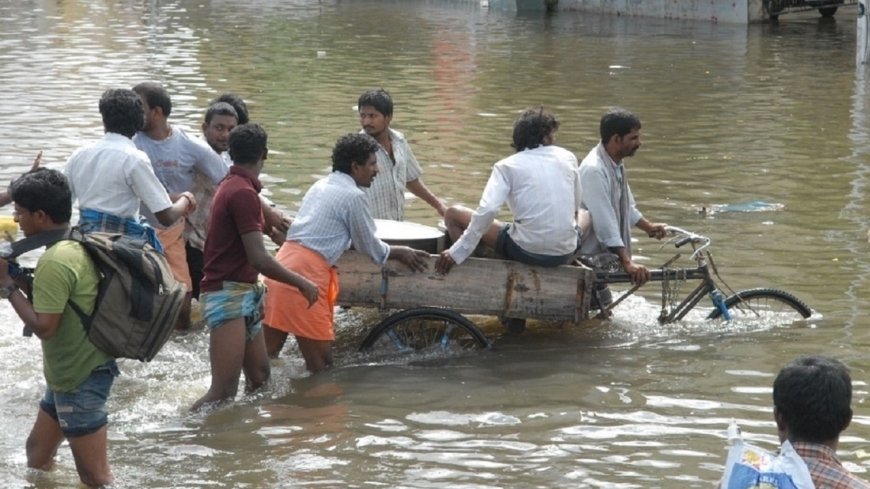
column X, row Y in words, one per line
column 217, row 131
column 629, row 143
column 365, row 174
column 373, row 122
column 149, row 115
column 25, row 220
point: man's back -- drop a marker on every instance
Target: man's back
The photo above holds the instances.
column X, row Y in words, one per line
column 825, row 468
column 114, row 177
column 332, row 214
column 544, row 192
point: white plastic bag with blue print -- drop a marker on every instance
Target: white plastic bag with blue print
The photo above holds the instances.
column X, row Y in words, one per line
column 751, row 467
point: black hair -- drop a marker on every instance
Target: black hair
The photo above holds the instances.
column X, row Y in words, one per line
column 122, row 111
column 813, row 395
column 248, row 143
column 46, row 190
column 352, row 148
column 379, row 99
column 617, row 122
column 220, row 108
column 532, row 127
column 237, row 102
column 155, row 95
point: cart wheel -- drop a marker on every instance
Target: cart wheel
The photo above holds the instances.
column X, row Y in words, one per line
column 828, row 11
column 764, row 303
column 425, row 329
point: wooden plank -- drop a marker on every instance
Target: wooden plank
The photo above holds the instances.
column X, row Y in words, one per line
column 478, row 286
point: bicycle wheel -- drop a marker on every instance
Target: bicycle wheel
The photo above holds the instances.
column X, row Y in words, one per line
column 764, row 303
column 425, row 329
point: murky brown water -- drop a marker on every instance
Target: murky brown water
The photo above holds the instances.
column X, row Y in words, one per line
column 733, row 116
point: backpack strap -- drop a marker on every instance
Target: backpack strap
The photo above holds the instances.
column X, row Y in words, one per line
column 45, row 238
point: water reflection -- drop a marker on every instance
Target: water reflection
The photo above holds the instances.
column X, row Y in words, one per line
column 732, row 114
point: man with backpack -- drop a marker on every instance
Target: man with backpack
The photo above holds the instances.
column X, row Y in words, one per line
column 79, row 376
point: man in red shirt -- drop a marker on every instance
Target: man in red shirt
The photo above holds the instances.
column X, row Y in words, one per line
column 234, row 257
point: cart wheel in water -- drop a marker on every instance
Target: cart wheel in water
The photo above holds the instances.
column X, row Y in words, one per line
column 828, row 11
column 764, row 303
column 425, row 329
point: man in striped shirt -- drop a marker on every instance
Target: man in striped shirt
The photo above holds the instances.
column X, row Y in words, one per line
column 812, row 399
column 333, row 215
column 397, row 164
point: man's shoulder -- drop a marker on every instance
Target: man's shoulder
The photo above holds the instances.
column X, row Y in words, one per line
column 562, row 152
column 112, row 144
column 592, row 162
column 64, row 252
column 184, row 137
column 397, row 135
column 338, row 183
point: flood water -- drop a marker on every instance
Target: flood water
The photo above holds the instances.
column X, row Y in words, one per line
column 766, row 126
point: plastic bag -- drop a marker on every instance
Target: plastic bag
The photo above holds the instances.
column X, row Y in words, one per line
column 751, row 467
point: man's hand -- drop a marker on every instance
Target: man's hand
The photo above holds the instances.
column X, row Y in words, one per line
column 639, row 274
column 277, row 237
column 657, row 230
column 445, row 263
column 309, row 291
column 274, row 221
column 5, row 279
column 36, row 161
column 191, row 202
column 416, row 260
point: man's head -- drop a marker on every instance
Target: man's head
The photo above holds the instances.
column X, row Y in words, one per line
column 534, row 127
column 620, row 133
column 220, row 119
column 42, row 200
column 812, row 399
column 237, row 102
column 354, row 154
column 375, row 111
column 122, row 111
column 248, row 145
column 157, row 103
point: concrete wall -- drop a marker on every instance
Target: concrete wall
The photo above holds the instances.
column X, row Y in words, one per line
column 730, row 11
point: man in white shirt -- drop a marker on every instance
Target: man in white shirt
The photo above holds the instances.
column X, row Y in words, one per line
column 398, row 167
column 540, row 185
column 112, row 179
column 607, row 196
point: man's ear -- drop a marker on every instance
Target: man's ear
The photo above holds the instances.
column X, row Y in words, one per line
column 780, row 421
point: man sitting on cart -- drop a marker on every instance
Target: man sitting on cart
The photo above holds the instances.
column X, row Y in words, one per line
column 607, row 198
column 541, row 186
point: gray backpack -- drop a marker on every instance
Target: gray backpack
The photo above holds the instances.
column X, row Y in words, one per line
column 138, row 299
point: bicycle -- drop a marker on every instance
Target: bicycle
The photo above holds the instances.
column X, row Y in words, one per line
column 431, row 307
column 750, row 303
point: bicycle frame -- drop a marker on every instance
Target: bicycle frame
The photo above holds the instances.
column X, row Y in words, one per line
column 667, row 274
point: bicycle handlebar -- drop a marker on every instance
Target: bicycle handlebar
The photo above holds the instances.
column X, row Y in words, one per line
column 684, row 237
